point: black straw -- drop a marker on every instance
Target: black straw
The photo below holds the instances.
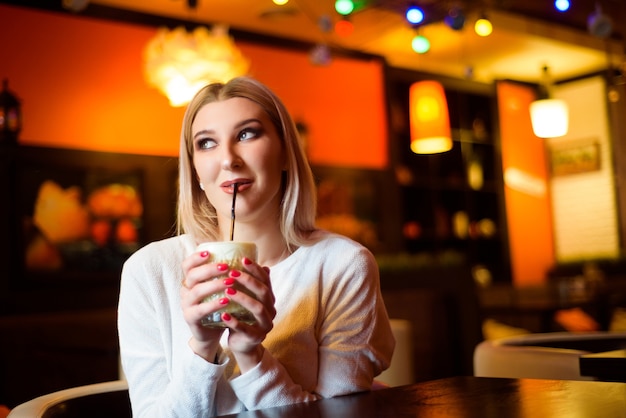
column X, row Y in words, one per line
column 232, row 211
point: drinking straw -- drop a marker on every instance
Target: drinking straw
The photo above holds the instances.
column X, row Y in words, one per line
column 232, row 211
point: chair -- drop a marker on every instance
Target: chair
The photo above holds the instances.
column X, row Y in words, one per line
column 553, row 355
column 107, row 399
column 400, row 371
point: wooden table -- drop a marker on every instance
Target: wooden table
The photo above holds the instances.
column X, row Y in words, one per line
column 607, row 366
column 455, row 397
column 468, row 397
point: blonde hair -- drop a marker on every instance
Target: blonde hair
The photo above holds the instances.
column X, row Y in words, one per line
column 197, row 216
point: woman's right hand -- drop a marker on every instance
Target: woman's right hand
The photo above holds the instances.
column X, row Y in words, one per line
column 196, row 287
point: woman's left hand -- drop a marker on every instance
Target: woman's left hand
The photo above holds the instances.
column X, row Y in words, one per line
column 244, row 340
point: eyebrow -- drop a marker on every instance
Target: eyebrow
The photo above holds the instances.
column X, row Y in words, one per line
column 237, row 126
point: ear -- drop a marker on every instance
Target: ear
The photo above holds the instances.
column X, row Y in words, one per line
column 199, row 182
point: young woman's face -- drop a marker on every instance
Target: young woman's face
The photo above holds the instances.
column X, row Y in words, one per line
column 234, row 141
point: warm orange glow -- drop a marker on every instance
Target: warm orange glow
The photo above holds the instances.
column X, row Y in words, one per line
column 344, row 27
column 179, row 63
column 550, row 118
column 430, row 123
column 527, row 195
column 104, row 103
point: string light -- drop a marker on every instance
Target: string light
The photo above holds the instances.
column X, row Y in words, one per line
column 420, row 44
column 344, row 7
column 562, row 5
column 414, row 15
column 344, row 27
column 483, row 27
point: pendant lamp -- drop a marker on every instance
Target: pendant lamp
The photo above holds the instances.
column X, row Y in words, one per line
column 429, row 120
column 549, row 116
column 179, row 63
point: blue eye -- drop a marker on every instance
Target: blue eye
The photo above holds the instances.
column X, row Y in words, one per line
column 205, row 143
column 248, row 133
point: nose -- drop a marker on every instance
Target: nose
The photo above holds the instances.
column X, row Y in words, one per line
column 230, row 159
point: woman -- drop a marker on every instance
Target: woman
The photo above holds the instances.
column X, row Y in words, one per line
column 321, row 327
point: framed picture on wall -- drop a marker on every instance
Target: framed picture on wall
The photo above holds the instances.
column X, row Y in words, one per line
column 575, row 157
column 81, row 214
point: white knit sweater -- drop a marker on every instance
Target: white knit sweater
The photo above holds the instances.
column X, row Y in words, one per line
column 331, row 334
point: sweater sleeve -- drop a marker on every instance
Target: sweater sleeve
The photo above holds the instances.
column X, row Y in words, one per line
column 354, row 336
column 145, row 330
column 356, row 341
column 268, row 385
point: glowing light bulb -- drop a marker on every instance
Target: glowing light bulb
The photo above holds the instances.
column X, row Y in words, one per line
column 420, row 44
column 483, row 27
column 414, row 15
column 344, row 7
column 344, row 27
column 562, row 5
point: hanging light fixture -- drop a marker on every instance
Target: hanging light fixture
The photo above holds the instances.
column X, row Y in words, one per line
column 429, row 120
column 549, row 117
column 179, row 63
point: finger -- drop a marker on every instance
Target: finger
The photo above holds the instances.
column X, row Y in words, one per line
column 264, row 312
column 261, row 273
column 194, row 312
column 260, row 287
column 203, row 272
column 205, row 290
column 255, row 333
column 194, row 260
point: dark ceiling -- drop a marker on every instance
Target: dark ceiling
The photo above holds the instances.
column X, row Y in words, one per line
column 576, row 17
column 528, row 34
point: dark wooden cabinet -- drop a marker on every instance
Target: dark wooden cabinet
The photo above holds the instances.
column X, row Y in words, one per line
column 451, row 204
column 58, row 326
column 41, row 353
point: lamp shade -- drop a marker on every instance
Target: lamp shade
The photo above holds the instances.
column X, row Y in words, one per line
column 179, row 63
column 429, row 120
column 549, row 118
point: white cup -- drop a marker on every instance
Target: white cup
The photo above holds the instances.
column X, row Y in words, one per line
column 231, row 253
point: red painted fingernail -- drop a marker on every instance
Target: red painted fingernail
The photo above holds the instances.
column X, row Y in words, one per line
column 235, row 273
column 224, row 301
column 226, row 316
column 230, row 291
column 222, row 266
column 229, row 282
column 204, row 254
column 247, row 261
column 267, row 269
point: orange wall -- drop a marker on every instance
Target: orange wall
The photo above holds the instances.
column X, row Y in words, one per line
column 528, row 215
column 81, row 85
